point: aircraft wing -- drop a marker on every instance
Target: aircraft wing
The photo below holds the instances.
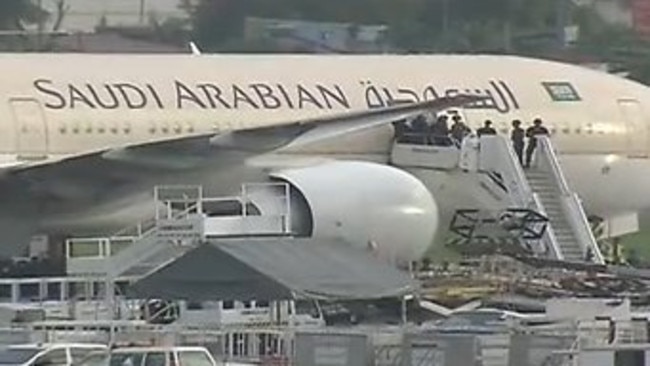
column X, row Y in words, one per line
column 96, row 185
column 305, row 132
column 189, row 151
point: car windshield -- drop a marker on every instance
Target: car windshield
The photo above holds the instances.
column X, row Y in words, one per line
column 126, row 359
column 94, row 359
column 11, row 356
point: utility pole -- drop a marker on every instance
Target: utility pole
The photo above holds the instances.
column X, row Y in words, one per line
column 507, row 28
column 41, row 27
column 561, row 21
column 445, row 17
column 142, row 8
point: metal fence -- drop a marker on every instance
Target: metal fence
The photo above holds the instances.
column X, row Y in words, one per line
column 380, row 346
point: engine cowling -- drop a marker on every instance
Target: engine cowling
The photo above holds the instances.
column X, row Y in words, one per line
column 374, row 206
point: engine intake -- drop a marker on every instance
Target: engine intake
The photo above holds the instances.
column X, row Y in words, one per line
column 371, row 205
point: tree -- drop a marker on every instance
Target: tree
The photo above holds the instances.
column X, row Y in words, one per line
column 415, row 25
column 15, row 14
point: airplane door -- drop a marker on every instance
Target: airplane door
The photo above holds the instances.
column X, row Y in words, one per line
column 635, row 126
column 31, row 129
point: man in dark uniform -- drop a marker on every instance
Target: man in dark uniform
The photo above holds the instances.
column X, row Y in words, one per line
column 420, row 129
column 400, row 127
column 532, row 132
column 487, row 129
column 518, row 136
column 440, row 131
column 459, row 130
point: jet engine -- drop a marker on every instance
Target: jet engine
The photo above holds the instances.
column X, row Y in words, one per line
column 377, row 207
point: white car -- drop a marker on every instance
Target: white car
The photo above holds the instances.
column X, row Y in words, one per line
column 161, row 356
column 53, row 354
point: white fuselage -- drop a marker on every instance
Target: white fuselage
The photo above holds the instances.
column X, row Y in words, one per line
column 63, row 105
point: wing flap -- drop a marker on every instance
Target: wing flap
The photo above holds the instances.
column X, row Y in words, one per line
column 305, row 132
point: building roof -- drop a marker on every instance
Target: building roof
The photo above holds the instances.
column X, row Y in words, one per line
column 111, row 42
column 275, row 269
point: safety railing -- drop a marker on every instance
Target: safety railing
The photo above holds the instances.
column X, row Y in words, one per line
column 550, row 239
column 574, row 212
column 493, row 150
column 183, row 216
column 497, row 155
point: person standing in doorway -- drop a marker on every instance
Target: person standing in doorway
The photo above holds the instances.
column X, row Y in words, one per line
column 459, row 130
column 532, row 133
column 440, row 131
column 517, row 136
column 487, row 129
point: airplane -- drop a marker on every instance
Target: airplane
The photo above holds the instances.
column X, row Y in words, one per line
column 83, row 138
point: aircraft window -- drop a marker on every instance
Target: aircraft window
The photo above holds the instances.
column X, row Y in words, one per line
column 178, row 129
column 164, row 129
column 566, row 130
column 152, row 130
column 75, row 129
column 578, row 130
column 127, row 130
column 62, row 130
column 89, row 129
column 101, row 129
column 190, row 128
column 114, row 130
column 228, row 304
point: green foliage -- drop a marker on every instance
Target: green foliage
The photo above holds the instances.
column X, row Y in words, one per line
column 416, row 25
column 15, row 13
column 514, row 26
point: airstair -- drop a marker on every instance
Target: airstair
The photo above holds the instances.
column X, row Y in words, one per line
column 183, row 218
column 540, row 190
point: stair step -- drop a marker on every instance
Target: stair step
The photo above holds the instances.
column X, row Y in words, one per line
column 556, row 217
column 560, row 226
column 564, row 236
column 568, row 243
column 562, row 231
column 567, row 251
column 570, row 249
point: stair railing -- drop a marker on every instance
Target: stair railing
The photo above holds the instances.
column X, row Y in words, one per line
column 496, row 154
column 571, row 204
